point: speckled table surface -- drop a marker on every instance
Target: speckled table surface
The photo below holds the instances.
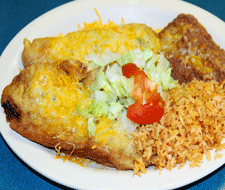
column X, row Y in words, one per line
column 14, row 173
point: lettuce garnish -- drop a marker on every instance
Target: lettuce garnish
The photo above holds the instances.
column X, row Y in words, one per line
column 111, row 91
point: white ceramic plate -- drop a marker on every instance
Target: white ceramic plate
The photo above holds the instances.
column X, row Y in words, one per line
column 64, row 19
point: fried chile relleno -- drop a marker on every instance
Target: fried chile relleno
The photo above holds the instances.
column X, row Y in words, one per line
column 41, row 105
column 78, row 44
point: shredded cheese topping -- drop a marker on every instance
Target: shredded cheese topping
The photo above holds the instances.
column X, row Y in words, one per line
column 94, row 37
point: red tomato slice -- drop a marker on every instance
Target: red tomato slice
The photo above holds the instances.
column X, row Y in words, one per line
column 147, row 113
column 143, row 87
column 149, row 108
column 139, row 86
column 129, row 69
column 152, row 97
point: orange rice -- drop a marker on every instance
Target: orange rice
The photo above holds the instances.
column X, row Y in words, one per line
column 192, row 125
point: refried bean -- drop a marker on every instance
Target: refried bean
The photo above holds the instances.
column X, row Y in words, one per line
column 191, row 51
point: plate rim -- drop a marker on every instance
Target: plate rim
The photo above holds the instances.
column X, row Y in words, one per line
column 29, row 28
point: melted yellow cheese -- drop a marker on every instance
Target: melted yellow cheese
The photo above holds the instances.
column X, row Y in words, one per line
column 55, row 97
column 78, row 44
column 109, row 132
column 98, row 24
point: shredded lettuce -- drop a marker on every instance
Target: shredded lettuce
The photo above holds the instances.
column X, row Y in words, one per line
column 119, row 82
column 147, row 53
column 157, row 69
column 125, row 123
column 111, row 91
column 101, row 82
column 100, row 109
column 127, row 57
column 136, row 56
column 91, row 126
column 112, row 82
column 85, row 110
column 104, row 59
column 114, row 110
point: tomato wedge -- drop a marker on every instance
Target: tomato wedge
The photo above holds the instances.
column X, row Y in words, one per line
column 148, row 113
column 143, row 87
column 148, row 107
column 129, row 69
